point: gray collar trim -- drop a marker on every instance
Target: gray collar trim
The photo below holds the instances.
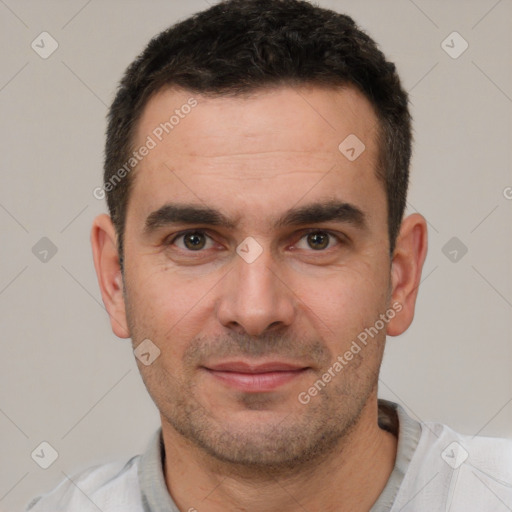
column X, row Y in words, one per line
column 409, row 433
column 392, row 417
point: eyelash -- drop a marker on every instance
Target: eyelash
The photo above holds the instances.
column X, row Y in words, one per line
column 181, row 234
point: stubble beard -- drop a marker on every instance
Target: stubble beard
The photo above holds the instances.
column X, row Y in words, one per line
column 288, row 445
column 291, row 444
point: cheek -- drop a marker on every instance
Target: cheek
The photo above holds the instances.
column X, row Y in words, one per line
column 161, row 293
column 344, row 302
column 167, row 306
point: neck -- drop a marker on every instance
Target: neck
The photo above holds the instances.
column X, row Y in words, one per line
column 349, row 478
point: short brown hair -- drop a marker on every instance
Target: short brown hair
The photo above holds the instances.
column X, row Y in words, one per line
column 238, row 46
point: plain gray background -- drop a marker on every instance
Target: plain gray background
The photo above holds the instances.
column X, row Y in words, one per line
column 67, row 380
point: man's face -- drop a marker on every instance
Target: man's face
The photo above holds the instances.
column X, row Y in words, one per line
column 243, row 334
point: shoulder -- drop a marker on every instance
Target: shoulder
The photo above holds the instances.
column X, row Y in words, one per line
column 112, row 487
column 463, row 472
column 481, row 470
column 490, row 455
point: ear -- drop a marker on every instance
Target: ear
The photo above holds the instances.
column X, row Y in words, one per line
column 406, row 265
column 108, row 271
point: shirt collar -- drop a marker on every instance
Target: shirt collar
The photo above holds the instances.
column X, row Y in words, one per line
column 392, row 417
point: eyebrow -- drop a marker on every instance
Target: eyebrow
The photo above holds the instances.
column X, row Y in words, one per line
column 323, row 211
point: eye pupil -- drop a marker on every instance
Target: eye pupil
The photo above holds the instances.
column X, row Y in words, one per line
column 318, row 237
column 193, row 240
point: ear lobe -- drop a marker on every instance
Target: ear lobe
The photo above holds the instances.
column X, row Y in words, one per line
column 407, row 264
column 108, row 272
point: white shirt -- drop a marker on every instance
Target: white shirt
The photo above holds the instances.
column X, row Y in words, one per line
column 436, row 469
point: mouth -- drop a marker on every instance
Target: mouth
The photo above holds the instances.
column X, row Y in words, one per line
column 254, row 377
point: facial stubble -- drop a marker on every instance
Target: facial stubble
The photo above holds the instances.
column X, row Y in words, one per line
column 297, row 436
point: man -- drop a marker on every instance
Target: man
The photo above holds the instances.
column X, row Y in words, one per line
column 256, row 254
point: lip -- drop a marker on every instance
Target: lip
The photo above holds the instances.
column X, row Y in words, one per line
column 255, row 377
column 245, row 367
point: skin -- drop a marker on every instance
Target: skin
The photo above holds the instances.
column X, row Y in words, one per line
column 253, row 158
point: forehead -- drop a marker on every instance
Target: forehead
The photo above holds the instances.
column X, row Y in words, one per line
column 261, row 151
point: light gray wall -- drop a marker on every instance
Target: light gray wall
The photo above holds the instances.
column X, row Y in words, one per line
column 66, row 379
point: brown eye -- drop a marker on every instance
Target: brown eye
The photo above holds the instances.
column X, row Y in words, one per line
column 319, row 240
column 193, row 241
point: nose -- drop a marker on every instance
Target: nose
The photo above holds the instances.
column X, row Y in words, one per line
column 255, row 297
